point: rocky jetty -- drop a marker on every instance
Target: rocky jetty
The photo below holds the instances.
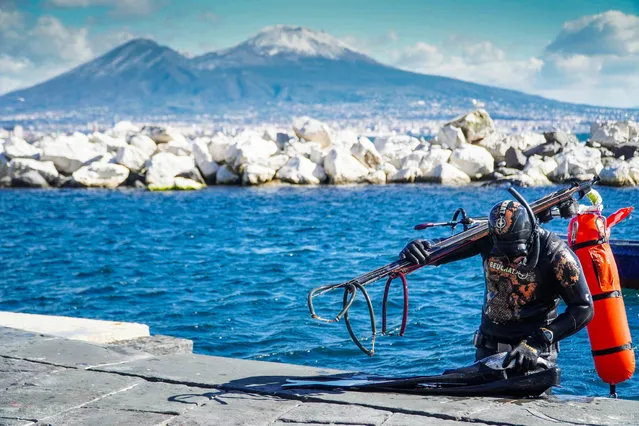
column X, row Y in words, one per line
column 465, row 150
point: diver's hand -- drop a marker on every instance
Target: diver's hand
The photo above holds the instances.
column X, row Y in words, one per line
column 416, row 251
column 525, row 356
column 568, row 208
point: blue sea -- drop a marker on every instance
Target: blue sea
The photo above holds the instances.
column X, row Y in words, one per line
column 230, row 268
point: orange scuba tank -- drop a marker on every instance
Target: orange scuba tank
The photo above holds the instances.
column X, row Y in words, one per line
column 610, row 340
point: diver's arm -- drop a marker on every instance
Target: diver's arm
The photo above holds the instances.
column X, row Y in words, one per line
column 574, row 291
column 472, row 249
column 418, row 251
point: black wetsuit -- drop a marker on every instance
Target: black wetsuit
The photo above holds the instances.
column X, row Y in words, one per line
column 518, row 302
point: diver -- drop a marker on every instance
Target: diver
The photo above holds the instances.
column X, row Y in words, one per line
column 527, row 269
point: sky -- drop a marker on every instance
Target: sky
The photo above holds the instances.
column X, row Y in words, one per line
column 571, row 50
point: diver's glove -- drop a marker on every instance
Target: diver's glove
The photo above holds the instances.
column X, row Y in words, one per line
column 526, row 354
column 545, row 216
column 568, row 208
column 416, row 251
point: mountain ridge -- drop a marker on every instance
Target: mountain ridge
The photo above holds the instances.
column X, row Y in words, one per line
column 279, row 67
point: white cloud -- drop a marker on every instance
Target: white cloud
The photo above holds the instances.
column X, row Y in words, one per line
column 594, row 59
column 367, row 45
column 50, row 39
column 608, row 33
column 11, row 65
column 46, row 48
column 118, row 7
column 480, row 62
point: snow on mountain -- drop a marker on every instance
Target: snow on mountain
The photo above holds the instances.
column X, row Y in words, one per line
column 278, row 43
column 282, row 39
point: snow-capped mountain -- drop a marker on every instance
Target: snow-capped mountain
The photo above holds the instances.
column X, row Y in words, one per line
column 281, row 69
column 281, row 43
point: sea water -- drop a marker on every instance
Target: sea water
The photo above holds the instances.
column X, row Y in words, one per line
column 230, row 268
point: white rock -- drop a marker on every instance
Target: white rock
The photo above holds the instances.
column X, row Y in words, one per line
column 253, row 150
column 312, row 130
column 110, row 143
column 256, row 174
column 577, row 161
column 18, row 131
column 476, row 125
column 204, row 160
column 394, row 148
column 405, row 175
column 219, row 147
column 473, row 160
column 163, row 167
column 17, row 147
column 132, row 158
column 447, row 174
column 451, row 137
column 280, row 138
column 633, row 164
column 101, row 175
column 545, row 166
column 377, row 177
column 414, row 159
column 364, row 150
column 295, row 148
column 107, row 157
column 435, row 156
column 277, row 161
column 166, row 135
column 123, row 129
column 186, row 184
column 143, row 143
column 177, row 147
column 497, row 144
column 341, row 167
column 537, row 177
column 226, row 176
column 617, row 174
column 301, row 170
column 69, row 153
column 344, row 139
column 611, row 133
column 389, row 169
column 5, row 178
column 46, row 169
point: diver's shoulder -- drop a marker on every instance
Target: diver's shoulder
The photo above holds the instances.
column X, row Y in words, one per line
column 550, row 241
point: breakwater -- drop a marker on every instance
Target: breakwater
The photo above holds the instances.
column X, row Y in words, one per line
column 465, row 150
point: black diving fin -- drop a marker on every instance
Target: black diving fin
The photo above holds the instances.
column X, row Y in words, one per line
column 485, row 377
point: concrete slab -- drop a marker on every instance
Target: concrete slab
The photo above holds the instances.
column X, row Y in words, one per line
column 211, row 371
column 58, row 381
column 99, row 417
column 323, row 413
column 237, row 409
column 16, row 371
column 399, row 419
column 157, row 345
column 156, row 397
column 59, row 351
column 88, row 330
column 58, row 391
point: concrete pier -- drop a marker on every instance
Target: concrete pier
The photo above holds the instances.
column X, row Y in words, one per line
column 155, row 380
